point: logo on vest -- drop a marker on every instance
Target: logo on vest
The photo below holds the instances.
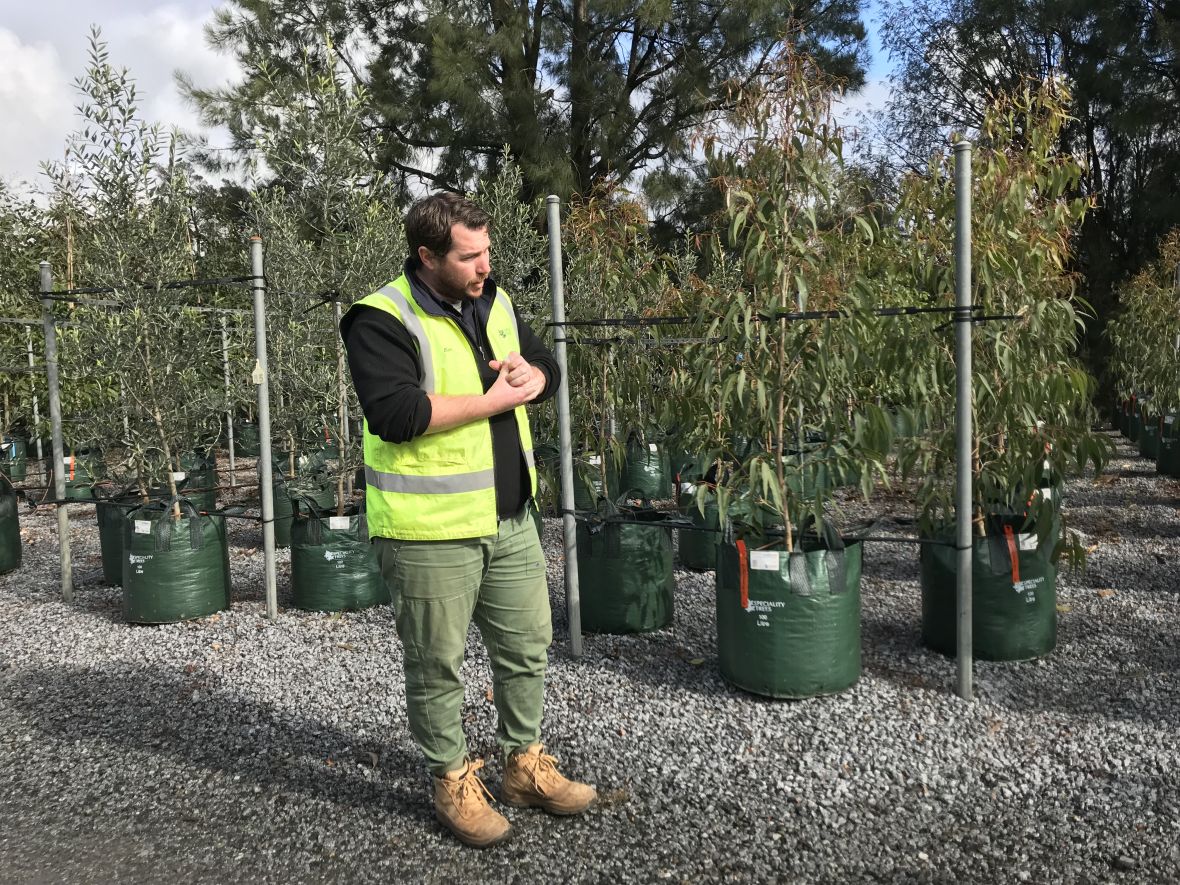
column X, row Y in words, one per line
column 503, row 333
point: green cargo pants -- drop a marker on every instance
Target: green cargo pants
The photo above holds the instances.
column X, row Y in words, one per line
column 437, row 588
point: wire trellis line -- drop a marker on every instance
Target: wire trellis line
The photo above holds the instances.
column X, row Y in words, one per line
column 159, row 286
column 786, row 315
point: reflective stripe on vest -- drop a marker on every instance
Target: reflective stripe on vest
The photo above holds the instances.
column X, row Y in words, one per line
column 431, row 485
column 413, row 324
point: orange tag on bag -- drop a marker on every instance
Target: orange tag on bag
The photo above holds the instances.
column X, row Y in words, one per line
column 744, row 573
column 1010, row 537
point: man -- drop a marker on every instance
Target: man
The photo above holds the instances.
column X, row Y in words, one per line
column 443, row 368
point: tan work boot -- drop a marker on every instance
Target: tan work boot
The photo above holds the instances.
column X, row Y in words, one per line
column 531, row 779
column 461, row 805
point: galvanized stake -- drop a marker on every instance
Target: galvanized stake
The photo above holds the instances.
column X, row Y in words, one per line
column 229, row 406
column 59, row 476
column 342, row 395
column 266, row 490
column 569, row 527
column 963, row 403
column 36, row 404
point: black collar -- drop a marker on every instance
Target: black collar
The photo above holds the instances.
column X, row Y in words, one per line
column 434, row 306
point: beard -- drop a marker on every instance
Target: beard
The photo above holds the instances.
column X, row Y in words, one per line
column 458, row 286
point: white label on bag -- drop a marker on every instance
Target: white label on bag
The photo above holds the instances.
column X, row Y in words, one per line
column 764, row 560
column 1169, row 420
column 178, row 476
column 594, row 460
column 1047, row 494
column 67, row 462
column 1026, row 542
column 653, row 448
column 143, row 527
column 338, row 523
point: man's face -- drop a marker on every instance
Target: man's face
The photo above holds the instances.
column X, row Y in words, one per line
column 460, row 273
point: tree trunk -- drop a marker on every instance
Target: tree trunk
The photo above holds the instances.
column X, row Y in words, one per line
column 580, row 87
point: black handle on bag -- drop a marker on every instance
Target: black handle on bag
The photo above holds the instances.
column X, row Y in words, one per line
column 162, row 530
column 833, row 558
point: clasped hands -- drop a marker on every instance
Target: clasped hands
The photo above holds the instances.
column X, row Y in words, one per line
column 525, row 381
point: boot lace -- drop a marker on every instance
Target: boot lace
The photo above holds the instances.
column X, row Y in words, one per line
column 469, row 793
column 544, row 773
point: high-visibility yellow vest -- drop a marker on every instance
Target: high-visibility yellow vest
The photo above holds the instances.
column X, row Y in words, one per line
column 441, row 486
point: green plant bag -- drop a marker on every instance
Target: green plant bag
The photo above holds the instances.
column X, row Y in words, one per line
column 625, row 569
column 647, row 470
column 10, row 542
column 81, row 470
column 333, row 566
column 1134, row 425
column 111, row 515
column 788, row 624
column 14, row 458
column 323, row 497
column 196, row 480
column 173, row 570
column 1167, row 459
column 697, row 546
column 1149, row 437
column 588, row 482
column 685, row 466
column 1014, row 595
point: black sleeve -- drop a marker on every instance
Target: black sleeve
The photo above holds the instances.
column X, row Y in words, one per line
column 383, row 360
column 533, row 349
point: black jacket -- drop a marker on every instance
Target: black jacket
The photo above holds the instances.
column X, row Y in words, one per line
column 385, row 366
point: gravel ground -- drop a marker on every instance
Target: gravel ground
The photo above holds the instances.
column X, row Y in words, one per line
column 236, row 749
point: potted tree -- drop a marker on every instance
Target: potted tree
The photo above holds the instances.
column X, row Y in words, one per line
column 1144, row 344
column 124, row 180
column 624, row 543
column 331, row 229
column 1032, row 412
column 788, row 585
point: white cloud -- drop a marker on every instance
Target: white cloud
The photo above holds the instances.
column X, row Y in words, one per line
column 154, row 46
column 36, row 105
column 38, row 65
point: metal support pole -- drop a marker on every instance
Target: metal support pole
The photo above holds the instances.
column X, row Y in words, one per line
column 569, row 528
column 342, row 412
column 963, row 404
column 59, row 475
column 266, row 489
column 36, row 404
column 229, row 406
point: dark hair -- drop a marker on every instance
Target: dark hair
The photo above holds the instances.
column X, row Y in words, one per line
column 428, row 223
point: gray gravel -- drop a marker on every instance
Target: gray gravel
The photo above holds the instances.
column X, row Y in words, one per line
column 235, row 749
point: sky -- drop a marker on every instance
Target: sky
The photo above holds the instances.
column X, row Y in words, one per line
column 43, row 48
